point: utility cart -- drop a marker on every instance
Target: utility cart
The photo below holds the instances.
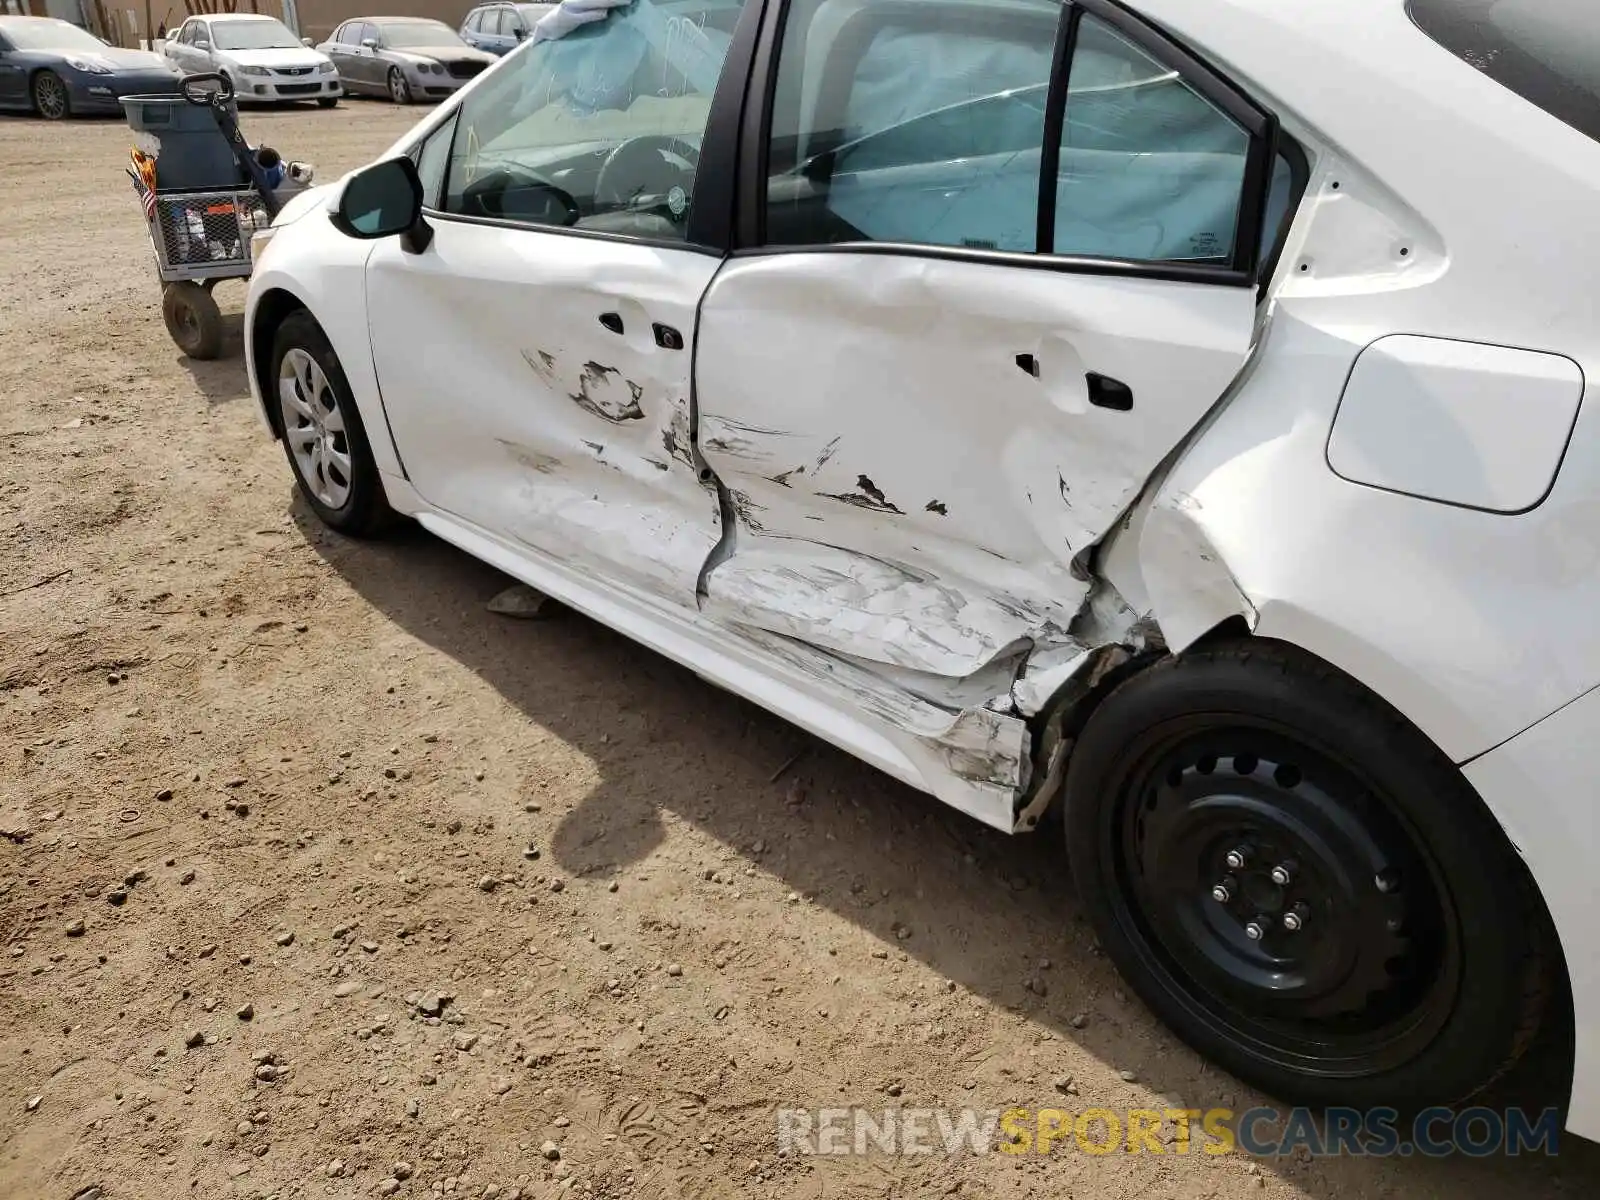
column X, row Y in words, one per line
column 205, row 192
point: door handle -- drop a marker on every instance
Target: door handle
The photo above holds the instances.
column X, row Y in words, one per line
column 612, row 321
column 1106, row 392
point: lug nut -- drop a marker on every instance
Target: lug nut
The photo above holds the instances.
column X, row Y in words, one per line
column 1295, row 919
column 1221, row 894
column 1283, row 874
column 1386, row 880
column 1236, row 858
column 1256, row 930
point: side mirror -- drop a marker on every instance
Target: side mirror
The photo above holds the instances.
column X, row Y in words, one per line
column 202, row 44
column 383, row 200
column 370, row 43
column 307, row 42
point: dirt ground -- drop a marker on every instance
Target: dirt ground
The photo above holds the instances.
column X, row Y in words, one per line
column 313, row 866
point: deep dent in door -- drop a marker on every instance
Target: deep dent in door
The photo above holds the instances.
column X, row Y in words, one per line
column 831, row 566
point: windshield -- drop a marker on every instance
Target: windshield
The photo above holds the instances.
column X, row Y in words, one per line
column 418, row 33
column 50, row 35
column 1547, row 51
column 265, row 34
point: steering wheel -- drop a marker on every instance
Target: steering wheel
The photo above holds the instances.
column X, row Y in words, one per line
column 515, row 194
column 648, row 172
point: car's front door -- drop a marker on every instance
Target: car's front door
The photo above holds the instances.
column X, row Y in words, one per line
column 13, row 79
column 514, row 28
column 534, row 360
column 927, row 399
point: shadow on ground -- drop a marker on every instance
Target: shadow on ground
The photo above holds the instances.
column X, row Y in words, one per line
column 221, row 380
column 984, row 908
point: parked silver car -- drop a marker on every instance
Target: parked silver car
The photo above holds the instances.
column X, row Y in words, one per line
column 404, row 58
column 501, row 28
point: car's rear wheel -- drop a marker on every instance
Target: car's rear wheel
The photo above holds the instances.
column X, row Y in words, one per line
column 50, row 98
column 1300, row 884
column 399, row 89
column 323, row 437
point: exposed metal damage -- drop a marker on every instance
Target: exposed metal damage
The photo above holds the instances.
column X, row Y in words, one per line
column 968, row 625
column 597, row 393
column 866, row 495
column 676, row 438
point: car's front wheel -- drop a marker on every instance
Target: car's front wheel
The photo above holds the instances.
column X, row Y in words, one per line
column 399, row 89
column 50, row 98
column 322, row 432
column 328, row 102
column 1300, row 884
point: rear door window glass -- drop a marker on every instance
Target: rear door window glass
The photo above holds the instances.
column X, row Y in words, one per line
column 1150, row 169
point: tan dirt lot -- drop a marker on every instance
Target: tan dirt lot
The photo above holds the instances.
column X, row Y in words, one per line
column 220, row 726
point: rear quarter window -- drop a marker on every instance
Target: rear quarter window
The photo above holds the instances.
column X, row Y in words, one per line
column 1547, row 51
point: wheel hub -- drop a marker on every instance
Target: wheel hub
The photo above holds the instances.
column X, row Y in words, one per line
column 314, row 428
column 1295, row 900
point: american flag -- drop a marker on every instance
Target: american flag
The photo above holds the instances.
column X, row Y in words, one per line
column 144, row 179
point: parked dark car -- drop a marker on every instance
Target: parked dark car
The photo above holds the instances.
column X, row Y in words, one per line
column 404, row 58
column 55, row 69
column 501, row 28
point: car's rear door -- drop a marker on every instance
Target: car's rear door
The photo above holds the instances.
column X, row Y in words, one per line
column 536, row 374
column 366, row 65
column 929, row 382
column 180, row 49
column 337, row 48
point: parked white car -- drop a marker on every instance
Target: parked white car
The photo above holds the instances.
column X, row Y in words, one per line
column 1170, row 416
column 260, row 56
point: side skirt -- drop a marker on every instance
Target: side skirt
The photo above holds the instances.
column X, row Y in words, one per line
column 975, row 760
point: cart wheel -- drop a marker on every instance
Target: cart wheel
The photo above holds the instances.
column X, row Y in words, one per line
column 193, row 319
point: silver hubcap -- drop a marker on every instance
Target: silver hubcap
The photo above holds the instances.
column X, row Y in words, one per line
column 51, row 96
column 397, row 87
column 313, row 425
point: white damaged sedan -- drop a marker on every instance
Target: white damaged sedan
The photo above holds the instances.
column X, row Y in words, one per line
column 1167, row 414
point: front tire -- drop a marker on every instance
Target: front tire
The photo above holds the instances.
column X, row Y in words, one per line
column 50, row 97
column 328, row 102
column 323, row 437
column 1300, row 884
column 399, row 89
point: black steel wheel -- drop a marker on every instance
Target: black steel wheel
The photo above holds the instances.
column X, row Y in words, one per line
column 1300, row 884
column 50, row 98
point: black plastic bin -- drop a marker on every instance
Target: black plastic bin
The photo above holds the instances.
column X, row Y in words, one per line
column 194, row 153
